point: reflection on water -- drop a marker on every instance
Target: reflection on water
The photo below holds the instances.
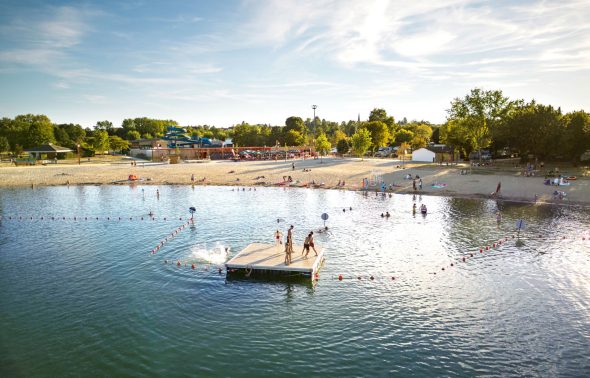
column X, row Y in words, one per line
column 87, row 297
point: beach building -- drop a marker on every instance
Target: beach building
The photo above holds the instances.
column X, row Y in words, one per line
column 48, row 151
column 436, row 153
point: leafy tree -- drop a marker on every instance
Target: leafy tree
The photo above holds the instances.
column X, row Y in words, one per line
column 337, row 136
column 294, row 123
column 361, row 142
column 342, row 147
column 4, row 145
column 379, row 114
column 133, row 135
column 379, row 133
column 294, row 138
column 322, row 144
column 100, row 141
column 480, row 113
column 534, row 129
column 421, row 137
column 39, row 129
column 117, row 143
column 577, row 135
column 61, row 137
column 404, row 136
column 106, row 126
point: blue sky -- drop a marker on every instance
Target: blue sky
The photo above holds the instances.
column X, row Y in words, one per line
column 224, row 62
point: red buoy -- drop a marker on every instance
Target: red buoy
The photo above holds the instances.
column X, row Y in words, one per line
column 494, row 245
column 340, row 277
column 480, row 250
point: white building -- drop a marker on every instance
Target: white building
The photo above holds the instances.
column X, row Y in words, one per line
column 423, row 154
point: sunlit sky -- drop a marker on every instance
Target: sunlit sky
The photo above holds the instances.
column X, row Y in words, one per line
column 224, row 62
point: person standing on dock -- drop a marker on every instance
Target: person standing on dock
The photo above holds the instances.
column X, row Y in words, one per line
column 289, row 246
column 278, row 236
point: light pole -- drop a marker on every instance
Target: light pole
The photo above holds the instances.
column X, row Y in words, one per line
column 314, row 107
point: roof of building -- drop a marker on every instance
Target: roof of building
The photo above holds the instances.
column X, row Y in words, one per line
column 48, row 148
column 438, row 148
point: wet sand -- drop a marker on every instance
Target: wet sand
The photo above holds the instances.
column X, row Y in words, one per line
column 326, row 173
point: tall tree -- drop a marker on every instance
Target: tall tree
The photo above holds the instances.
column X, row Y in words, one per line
column 379, row 133
column 577, row 135
column 39, row 129
column 322, row 144
column 100, row 141
column 379, row 114
column 294, row 123
column 361, row 142
column 421, row 137
column 480, row 112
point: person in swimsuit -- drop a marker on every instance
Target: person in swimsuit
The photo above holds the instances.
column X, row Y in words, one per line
column 278, row 236
column 310, row 244
column 306, row 245
column 289, row 246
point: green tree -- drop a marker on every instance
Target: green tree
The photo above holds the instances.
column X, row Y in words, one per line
column 379, row 114
column 577, row 134
column 100, row 141
column 480, row 113
column 342, row 147
column 106, row 126
column 322, row 144
column 4, row 145
column 294, row 123
column 294, row 138
column 133, row 135
column 361, row 142
column 404, row 136
column 379, row 133
column 118, row 144
column 421, row 137
column 39, row 129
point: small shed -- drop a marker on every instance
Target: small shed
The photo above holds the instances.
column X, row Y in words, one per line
column 423, row 154
column 48, row 151
column 438, row 153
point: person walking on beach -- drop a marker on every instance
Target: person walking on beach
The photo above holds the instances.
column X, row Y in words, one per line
column 289, row 246
column 414, row 184
column 193, row 178
column 292, row 166
column 420, row 183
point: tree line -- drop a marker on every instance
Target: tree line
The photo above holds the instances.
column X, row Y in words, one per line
column 480, row 120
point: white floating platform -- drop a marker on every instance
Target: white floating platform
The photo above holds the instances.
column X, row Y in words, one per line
column 270, row 258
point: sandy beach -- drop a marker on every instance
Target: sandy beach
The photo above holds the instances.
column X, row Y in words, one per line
column 325, row 173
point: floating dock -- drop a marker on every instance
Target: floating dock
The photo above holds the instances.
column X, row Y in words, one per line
column 269, row 259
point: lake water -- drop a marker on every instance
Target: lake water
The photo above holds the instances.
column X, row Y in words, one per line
column 87, row 297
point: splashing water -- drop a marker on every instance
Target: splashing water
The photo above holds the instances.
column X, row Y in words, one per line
column 216, row 255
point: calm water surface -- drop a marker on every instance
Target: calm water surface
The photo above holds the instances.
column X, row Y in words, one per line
column 87, row 298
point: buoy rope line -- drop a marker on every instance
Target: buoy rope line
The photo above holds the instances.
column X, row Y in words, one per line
column 88, row 218
column 170, row 237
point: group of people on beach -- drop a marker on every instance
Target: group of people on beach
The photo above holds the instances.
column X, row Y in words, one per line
column 307, row 244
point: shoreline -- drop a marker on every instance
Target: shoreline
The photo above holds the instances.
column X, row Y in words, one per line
column 328, row 172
